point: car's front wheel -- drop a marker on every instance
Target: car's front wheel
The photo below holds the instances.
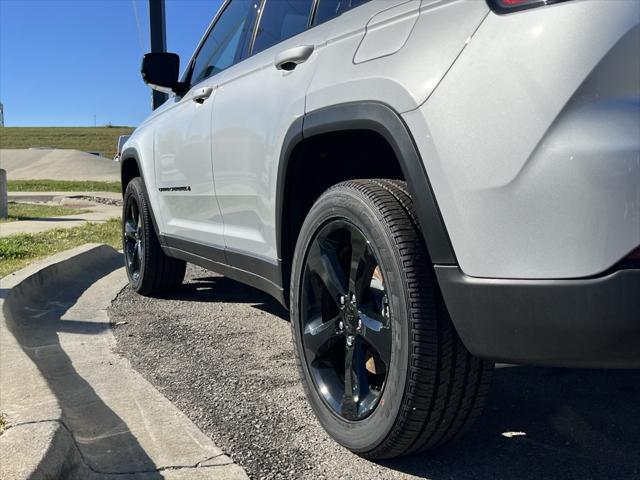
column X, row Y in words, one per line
column 381, row 363
column 151, row 272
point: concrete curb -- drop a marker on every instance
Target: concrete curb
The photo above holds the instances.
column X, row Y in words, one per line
column 75, row 408
column 36, row 444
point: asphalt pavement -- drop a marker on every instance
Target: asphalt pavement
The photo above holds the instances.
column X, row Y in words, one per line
column 221, row 352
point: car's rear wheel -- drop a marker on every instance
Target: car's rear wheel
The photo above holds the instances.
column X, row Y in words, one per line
column 381, row 363
column 151, row 272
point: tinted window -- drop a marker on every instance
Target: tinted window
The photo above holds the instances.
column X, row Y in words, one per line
column 280, row 20
column 328, row 9
column 227, row 43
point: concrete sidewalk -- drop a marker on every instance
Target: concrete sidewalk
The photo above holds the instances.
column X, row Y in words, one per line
column 96, row 212
column 75, row 408
column 58, row 196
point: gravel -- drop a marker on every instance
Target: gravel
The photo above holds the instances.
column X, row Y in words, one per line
column 102, row 200
column 221, row 351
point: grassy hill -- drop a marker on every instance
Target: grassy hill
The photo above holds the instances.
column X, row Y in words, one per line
column 100, row 139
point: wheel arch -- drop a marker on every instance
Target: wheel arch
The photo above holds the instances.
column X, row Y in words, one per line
column 130, row 168
column 382, row 120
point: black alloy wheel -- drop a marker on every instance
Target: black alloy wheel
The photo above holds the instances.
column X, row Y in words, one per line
column 345, row 320
column 133, row 238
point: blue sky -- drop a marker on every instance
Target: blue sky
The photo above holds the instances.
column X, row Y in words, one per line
column 64, row 61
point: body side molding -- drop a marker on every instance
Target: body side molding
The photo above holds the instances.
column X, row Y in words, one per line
column 256, row 272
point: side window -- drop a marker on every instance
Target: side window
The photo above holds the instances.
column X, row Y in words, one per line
column 281, row 19
column 328, row 9
column 227, row 42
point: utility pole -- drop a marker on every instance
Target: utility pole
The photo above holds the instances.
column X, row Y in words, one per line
column 4, row 205
column 158, row 31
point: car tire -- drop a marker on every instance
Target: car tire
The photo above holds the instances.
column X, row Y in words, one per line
column 151, row 272
column 413, row 385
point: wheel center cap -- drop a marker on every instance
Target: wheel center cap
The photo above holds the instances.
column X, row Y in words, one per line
column 350, row 316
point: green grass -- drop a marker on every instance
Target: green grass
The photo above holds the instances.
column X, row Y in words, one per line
column 100, row 139
column 28, row 211
column 17, row 251
column 62, row 186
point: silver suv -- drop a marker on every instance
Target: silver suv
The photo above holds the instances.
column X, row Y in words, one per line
column 429, row 186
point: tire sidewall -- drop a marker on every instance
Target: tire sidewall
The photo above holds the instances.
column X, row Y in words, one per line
column 347, row 204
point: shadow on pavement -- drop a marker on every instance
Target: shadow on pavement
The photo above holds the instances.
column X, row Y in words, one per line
column 103, row 438
column 220, row 289
column 578, row 424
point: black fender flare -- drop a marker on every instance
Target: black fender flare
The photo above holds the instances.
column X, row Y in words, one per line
column 127, row 156
column 385, row 121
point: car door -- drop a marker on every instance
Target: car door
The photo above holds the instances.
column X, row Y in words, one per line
column 255, row 105
column 182, row 141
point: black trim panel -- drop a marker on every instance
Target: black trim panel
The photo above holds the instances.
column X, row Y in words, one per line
column 214, row 254
column 381, row 119
column 501, row 10
column 592, row 322
column 260, row 266
column 257, row 272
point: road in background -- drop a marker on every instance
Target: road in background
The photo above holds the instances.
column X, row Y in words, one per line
column 221, row 351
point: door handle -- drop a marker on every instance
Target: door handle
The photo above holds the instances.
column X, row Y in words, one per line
column 292, row 57
column 201, row 94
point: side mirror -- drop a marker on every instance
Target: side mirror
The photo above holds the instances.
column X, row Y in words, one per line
column 160, row 71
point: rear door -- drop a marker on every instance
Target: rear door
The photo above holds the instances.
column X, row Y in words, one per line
column 182, row 145
column 254, row 107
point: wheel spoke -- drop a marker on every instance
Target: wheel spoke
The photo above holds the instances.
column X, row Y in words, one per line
column 135, row 259
column 323, row 262
column 130, row 250
column 357, row 268
column 135, row 214
column 139, row 252
column 130, row 229
column 355, row 379
column 317, row 289
column 377, row 334
column 369, row 402
column 318, row 337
